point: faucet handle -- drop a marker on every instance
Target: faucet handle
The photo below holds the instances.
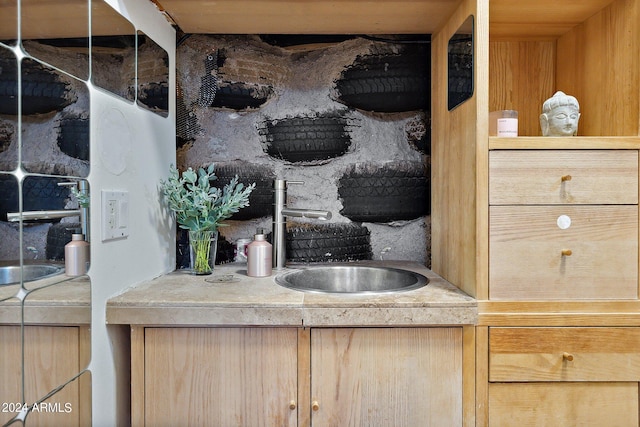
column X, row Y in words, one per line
column 281, row 184
column 82, row 185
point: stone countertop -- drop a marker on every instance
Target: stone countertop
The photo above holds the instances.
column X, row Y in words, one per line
column 229, row 297
column 58, row 300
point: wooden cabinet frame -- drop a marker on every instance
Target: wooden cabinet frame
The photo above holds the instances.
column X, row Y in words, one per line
column 523, row 54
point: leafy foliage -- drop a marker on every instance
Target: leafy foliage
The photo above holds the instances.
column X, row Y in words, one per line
column 199, row 206
column 83, row 197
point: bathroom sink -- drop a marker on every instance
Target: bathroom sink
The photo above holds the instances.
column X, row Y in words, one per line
column 11, row 274
column 351, row 279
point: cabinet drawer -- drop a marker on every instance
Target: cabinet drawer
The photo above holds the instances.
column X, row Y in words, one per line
column 563, row 404
column 563, row 177
column 564, row 354
column 526, row 245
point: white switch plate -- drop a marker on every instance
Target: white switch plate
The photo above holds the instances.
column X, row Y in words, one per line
column 115, row 214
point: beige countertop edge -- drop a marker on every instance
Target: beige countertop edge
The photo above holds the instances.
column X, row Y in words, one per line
column 49, row 302
column 204, row 316
column 405, row 316
column 46, row 315
column 292, row 316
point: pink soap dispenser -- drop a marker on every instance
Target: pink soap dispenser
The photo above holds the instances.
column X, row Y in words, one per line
column 76, row 256
column 259, row 256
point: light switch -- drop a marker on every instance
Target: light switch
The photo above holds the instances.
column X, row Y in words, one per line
column 115, row 214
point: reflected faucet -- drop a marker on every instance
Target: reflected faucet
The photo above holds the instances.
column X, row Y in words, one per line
column 82, row 212
column 280, row 211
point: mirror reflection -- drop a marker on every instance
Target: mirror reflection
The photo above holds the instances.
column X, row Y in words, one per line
column 45, row 315
column 8, row 22
column 55, row 352
column 113, row 53
column 42, row 360
column 10, row 365
column 44, row 150
column 460, row 64
column 57, row 35
column 9, row 232
column 8, row 110
column 153, row 75
column 55, row 121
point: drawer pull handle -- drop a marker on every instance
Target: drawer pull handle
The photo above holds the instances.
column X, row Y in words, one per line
column 567, row 356
column 315, row 405
column 565, row 178
column 566, row 252
column 292, row 405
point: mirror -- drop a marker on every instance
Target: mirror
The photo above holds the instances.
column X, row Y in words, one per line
column 8, row 110
column 9, row 22
column 113, row 53
column 44, row 321
column 56, row 355
column 58, row 36
column 9, row 232
column 55, row 121
column 153, row 76
column 460, row 65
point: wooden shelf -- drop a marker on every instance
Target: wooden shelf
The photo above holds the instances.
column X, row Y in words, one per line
column 539, row 19
column 559, row 313
column 309, row 16
column 563, row 143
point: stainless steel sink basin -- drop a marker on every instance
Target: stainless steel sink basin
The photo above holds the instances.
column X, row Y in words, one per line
column 11, row 274
column 350, row 279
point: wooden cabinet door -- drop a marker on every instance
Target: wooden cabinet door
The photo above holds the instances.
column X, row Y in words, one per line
column 51, row 358
column 220, row 376
column 386, row 377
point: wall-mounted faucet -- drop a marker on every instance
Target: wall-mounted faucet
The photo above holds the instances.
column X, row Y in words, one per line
column 280, row 211
column 82, row 212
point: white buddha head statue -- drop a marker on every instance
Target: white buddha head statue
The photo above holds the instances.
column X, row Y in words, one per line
column 560, row 115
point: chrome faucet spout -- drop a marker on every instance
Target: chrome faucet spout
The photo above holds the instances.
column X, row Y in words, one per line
column 280, row 212
column 82, row 212
column 307, row 213
column 34, row 215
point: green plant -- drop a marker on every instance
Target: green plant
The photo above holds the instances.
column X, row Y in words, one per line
column 82, row 197
column 197, row 205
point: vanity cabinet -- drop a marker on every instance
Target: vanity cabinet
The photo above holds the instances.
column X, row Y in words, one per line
column 543, row 231
column 564, row 376
column 53, row 355
column 562, row 223
column 293, row 376
column 563, row 226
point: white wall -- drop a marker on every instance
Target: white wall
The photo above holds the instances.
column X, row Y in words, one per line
column 131, row 149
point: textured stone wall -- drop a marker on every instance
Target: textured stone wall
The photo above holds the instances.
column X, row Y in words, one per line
column 349, row 118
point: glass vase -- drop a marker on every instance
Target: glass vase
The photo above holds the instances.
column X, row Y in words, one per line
column 202, row 251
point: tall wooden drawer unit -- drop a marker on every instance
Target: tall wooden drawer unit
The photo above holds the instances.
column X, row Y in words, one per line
column 563, row 224
column 564, row 376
